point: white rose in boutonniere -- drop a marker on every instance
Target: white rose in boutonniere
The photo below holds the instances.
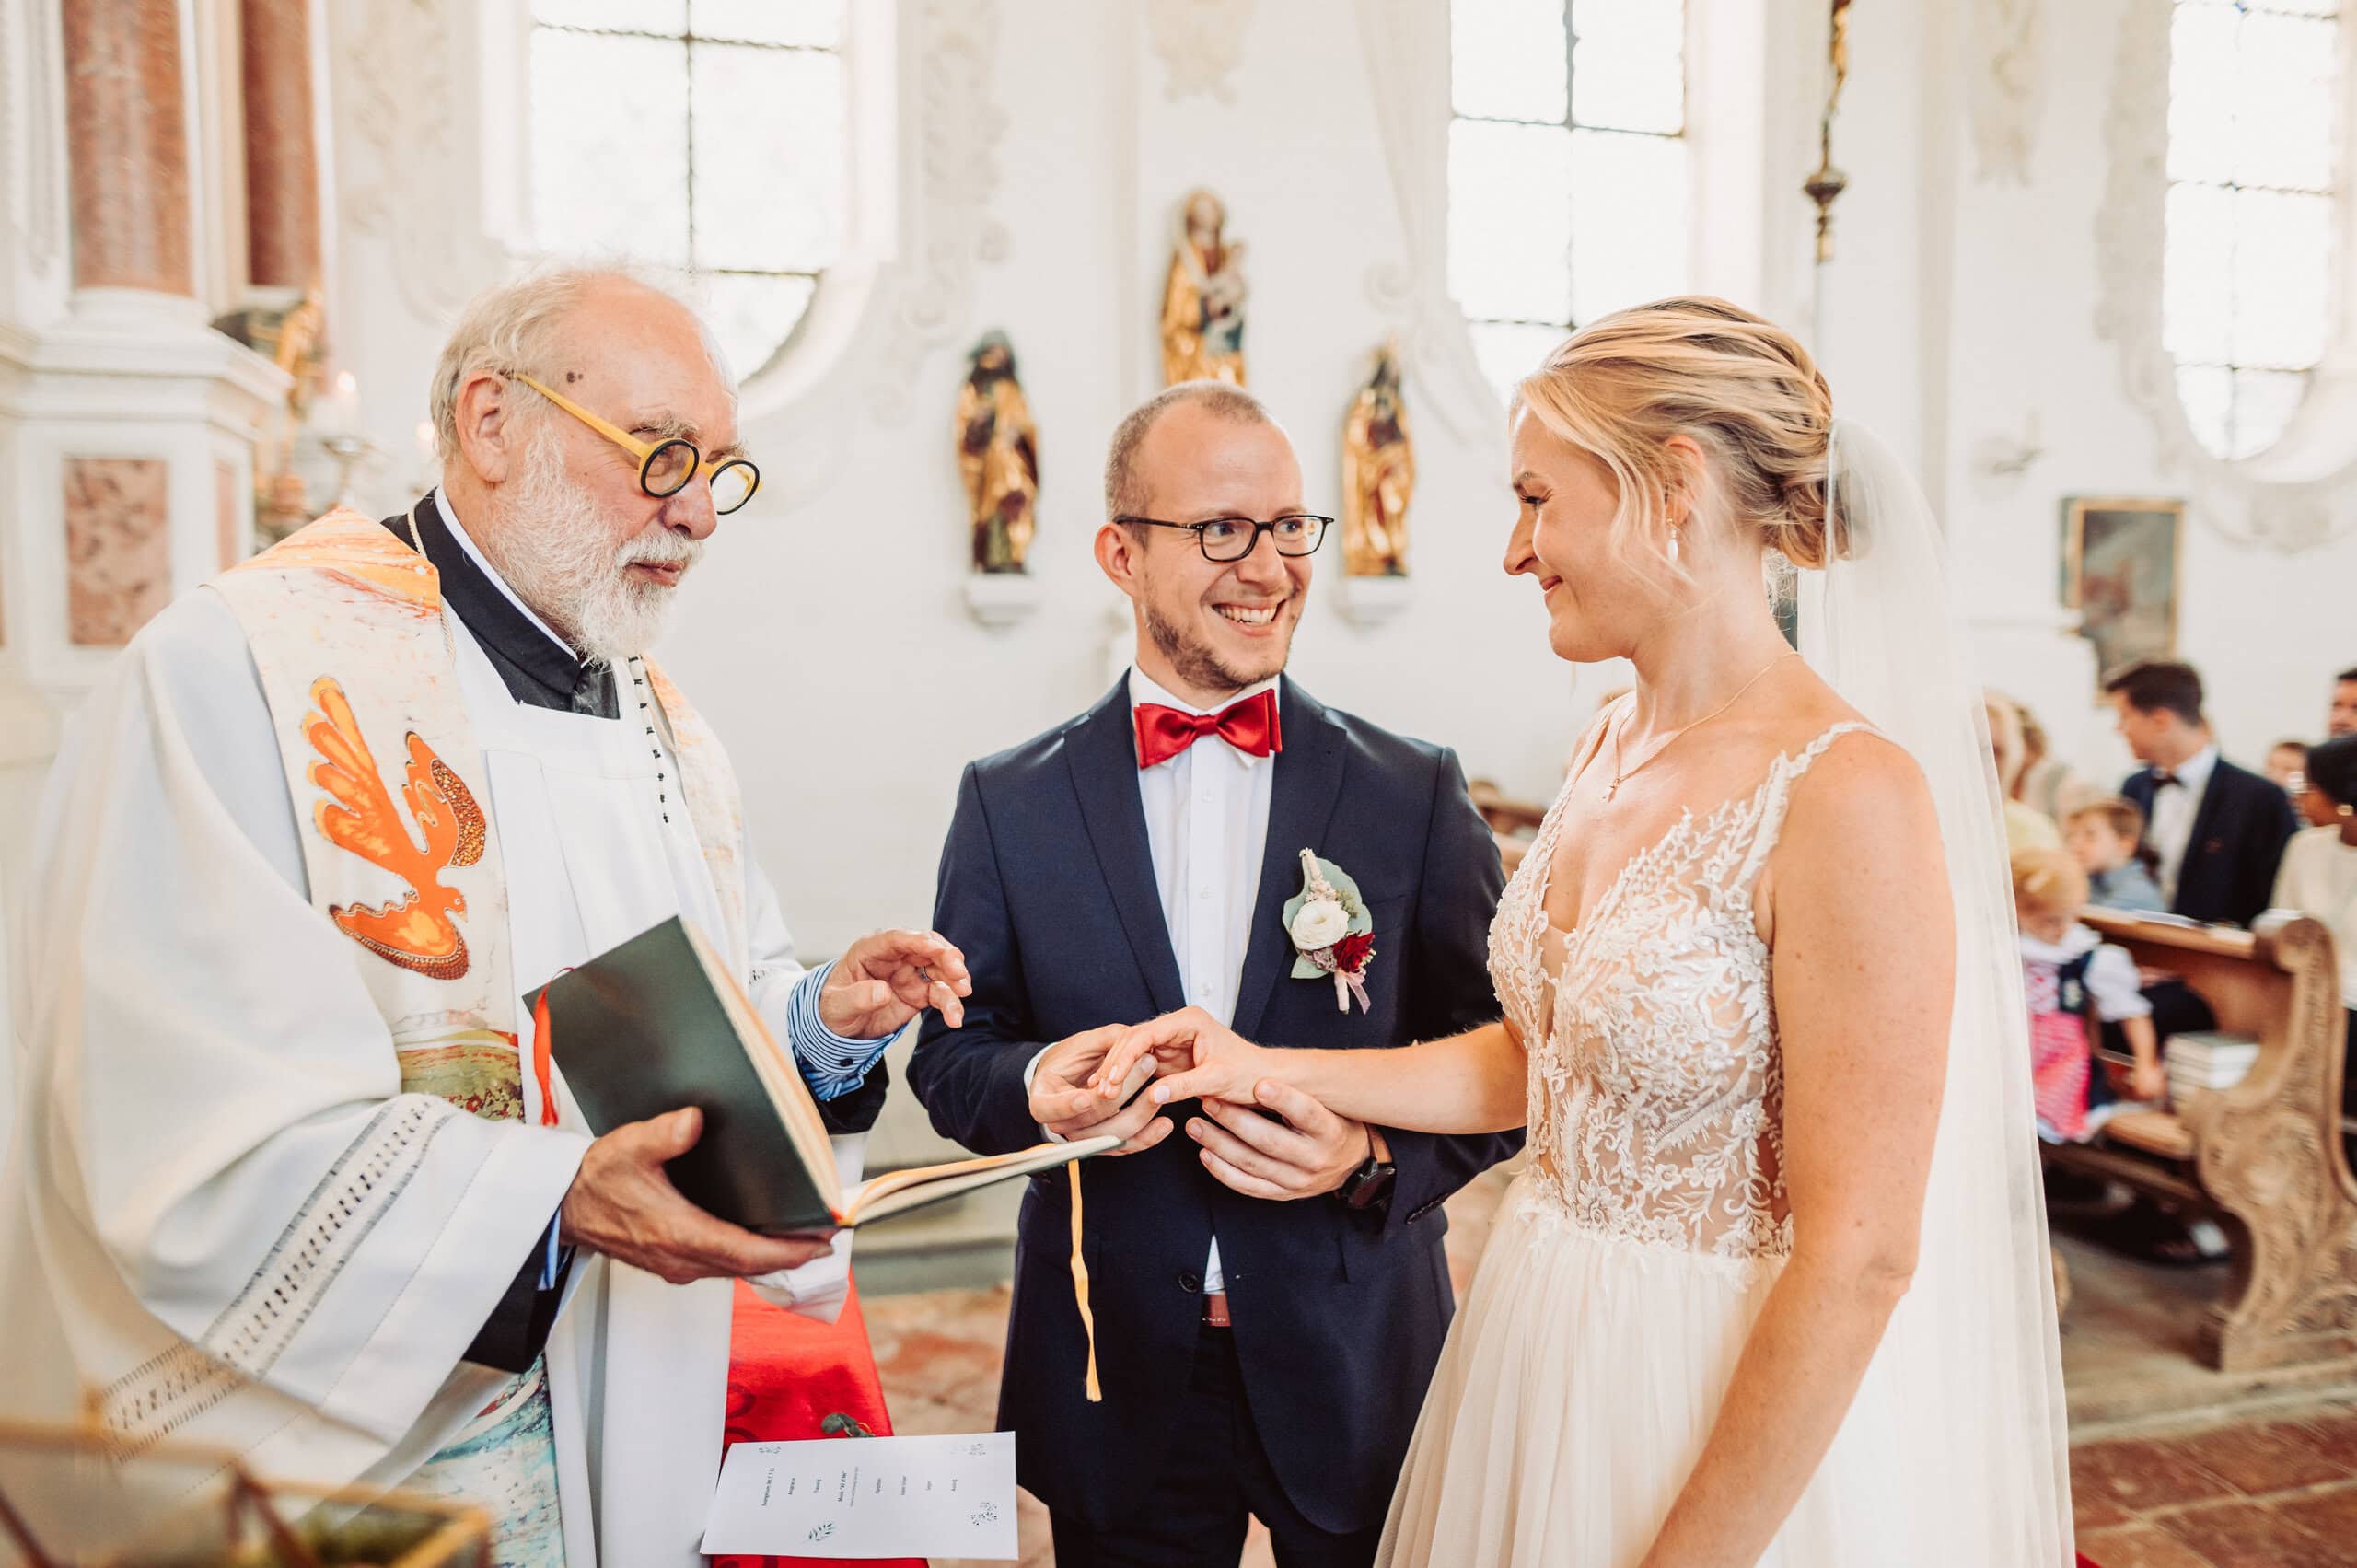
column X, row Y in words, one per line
column 1320, row 922
column 1332, row 932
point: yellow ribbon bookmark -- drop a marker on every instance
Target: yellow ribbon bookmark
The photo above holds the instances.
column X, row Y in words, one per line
column 1080, row 1288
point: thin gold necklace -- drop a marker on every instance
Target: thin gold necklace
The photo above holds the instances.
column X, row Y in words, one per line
column 1620, row 775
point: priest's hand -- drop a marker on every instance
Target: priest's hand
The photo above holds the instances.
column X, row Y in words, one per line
column 1064, row 1103
column 622, row 1205
column 888, row 977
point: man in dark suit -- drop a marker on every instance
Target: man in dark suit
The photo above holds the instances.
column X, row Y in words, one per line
column 2218, row 831
column 1268, row 1304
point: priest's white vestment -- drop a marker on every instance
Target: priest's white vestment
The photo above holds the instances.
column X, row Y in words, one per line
column 240, row 1212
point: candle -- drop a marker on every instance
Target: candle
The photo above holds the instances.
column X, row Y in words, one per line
column 341, row 414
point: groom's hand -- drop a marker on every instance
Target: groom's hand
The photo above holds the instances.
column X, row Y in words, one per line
column 1062, row 1102
column 888, row 977
column 1299, row 1149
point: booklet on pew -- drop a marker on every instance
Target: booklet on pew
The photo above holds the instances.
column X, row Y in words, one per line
column 660, row 1022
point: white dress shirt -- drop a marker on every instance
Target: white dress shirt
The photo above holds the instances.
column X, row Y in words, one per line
column 1206, row 825
column 2173, row 807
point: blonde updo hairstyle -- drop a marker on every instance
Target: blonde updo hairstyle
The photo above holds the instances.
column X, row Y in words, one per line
column 1740, row 388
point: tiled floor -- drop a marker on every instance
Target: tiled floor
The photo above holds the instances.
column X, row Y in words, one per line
column 2273, row 1492
column 2239, row 1476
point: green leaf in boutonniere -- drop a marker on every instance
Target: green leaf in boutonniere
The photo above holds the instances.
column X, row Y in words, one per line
column 1328, row 908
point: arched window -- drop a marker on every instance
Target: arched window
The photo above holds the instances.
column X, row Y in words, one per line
column 706, row 134
column 1567, row 168
column 2254, row 125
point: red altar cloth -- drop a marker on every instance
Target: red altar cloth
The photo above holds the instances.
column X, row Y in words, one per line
column 788, row 1374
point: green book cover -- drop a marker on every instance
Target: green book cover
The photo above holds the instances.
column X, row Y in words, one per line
column 647, row 1027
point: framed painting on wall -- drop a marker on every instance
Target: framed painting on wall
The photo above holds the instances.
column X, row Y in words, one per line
column 2121, row 561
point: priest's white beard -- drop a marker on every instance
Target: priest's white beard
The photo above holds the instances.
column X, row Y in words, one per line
column 552, row 549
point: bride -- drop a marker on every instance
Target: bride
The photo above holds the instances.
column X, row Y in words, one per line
column 1773, row 1287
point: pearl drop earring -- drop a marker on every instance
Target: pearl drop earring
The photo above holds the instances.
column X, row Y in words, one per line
column 1673, row 547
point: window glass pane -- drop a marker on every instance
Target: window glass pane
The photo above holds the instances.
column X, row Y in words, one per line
column 1507, row 59
column 2202, row 93
column 768, row 158
column 2198, row 275
column 2247, row 287
column 667, row 17
column 752, row 316
column 2282, row 244
column 1628, row 67
column 1510, row 220
column 1639, row 27
column 2265, row 401
column 1628, row 92
column 614, row 181
column 2206, row 393
column 2283, row 102
column 1628, row 220
column 814, row 24
column 1511, row 350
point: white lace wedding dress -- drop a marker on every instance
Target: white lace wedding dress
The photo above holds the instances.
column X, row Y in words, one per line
column 1629, row 1261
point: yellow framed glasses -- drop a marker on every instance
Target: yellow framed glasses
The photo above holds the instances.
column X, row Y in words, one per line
column 665, row 468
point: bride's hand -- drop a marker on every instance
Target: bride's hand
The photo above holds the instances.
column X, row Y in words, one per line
column 1196, row 1055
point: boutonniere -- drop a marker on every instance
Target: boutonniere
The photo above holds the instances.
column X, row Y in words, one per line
column 1332, row 931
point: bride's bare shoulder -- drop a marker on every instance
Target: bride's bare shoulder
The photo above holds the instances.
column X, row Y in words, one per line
column 1862, row 807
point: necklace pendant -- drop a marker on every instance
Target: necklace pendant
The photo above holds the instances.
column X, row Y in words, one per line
column 1612, row 789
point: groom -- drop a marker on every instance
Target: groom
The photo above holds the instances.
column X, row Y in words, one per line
column 1268, row 1285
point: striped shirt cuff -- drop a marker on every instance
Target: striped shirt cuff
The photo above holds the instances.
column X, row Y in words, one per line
column 832, row 1064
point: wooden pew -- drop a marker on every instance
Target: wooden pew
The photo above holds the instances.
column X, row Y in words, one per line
column 2265, row 1157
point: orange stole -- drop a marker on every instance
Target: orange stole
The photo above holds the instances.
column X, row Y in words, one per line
column 786, row 1375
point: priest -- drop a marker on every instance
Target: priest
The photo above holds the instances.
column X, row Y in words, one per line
column 296, row 1178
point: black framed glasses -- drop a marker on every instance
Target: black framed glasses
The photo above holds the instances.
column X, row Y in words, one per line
column 666, row 467
column 1233, row 539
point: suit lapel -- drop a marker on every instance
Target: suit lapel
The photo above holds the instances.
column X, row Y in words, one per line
column 2205, row 817
column 1101, row 752
column 1302, row 800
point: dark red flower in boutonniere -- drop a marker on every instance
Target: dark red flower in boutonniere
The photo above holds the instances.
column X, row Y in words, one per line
column 1351, row 952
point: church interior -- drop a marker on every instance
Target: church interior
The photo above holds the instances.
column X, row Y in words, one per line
column 2085, row 265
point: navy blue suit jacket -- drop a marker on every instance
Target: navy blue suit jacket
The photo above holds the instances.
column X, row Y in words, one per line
column 1048, row 885
column 2240, row 832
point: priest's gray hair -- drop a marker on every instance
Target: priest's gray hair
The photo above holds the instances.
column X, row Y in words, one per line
column 1124, row 491
column 520, row 326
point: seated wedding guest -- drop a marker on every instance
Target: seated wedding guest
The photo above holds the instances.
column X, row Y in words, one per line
column 2218, row 830
column 2025, row 826
column 2047, row 784
column 2106, row 838
column 2071, row 977
column 2341, row 717
column 1265, row 1279
column 2287, row 764
column 2286, row 761
column 299, row 1183
column 2319, row 874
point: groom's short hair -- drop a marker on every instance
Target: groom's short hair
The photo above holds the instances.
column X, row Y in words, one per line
column 2154, row 686
column 1124, row 493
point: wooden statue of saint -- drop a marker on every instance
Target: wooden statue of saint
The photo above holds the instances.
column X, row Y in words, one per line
column 998, row 454
column 1378, row 475
column 1202, row 300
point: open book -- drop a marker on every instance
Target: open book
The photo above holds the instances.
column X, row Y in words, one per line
column 660, row 1022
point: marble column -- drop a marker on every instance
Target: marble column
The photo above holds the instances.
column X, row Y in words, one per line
column 282, row 158
column 127, row 145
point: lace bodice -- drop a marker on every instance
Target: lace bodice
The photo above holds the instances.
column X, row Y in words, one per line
column 1656, row 1084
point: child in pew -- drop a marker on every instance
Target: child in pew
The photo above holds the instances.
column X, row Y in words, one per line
column 2073, row 981
column 2107, row 837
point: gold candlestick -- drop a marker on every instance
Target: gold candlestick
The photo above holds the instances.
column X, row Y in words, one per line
column 1829, row 182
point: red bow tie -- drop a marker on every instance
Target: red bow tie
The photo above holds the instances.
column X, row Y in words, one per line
column 1249, row 726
